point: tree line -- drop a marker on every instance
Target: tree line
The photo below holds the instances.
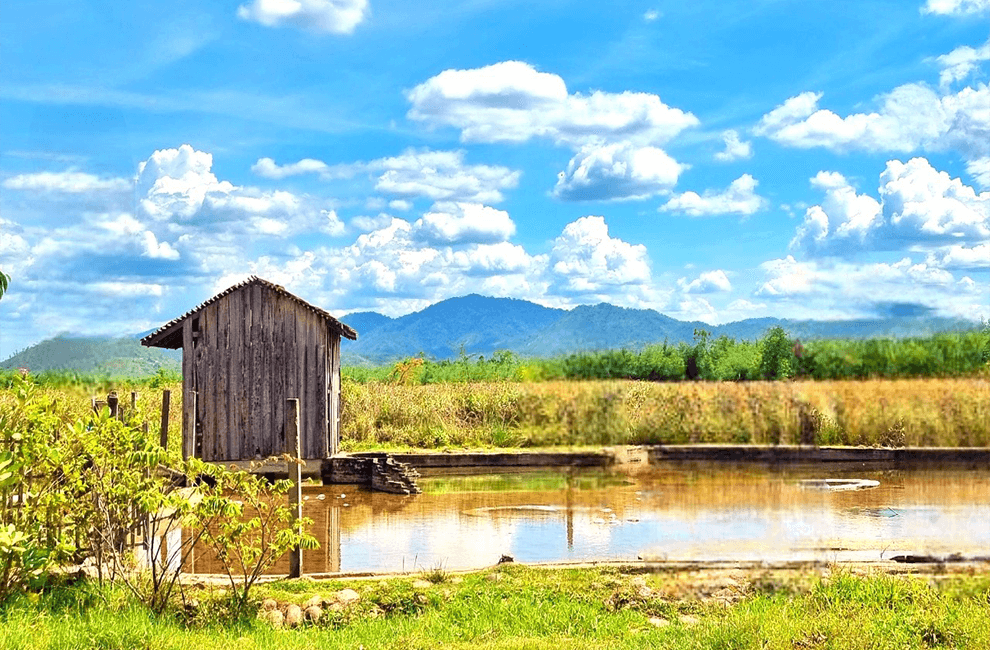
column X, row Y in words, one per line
column 774, row 356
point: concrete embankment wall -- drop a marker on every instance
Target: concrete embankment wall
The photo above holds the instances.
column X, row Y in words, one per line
column 362, row 469
column 645, row 455
column 805, row 454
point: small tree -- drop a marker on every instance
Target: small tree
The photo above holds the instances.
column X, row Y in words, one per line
column 255, row 529
column 776, row 353
column 696, row 356
column 134, row 502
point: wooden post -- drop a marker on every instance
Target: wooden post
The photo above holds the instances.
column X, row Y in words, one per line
column 166, row 399
column 134, row 397
column 113, row 403
column 189, row 431
column 295, row 475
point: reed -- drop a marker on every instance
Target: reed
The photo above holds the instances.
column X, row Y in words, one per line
column 948, row 412
column 875, row 412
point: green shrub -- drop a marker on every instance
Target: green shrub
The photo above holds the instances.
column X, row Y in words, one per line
column 776, row 351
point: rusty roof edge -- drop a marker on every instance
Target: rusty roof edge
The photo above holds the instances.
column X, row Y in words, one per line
column 345, row 330
column 152, row 340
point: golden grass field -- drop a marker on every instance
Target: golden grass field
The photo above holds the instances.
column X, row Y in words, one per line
column 907, row 412
column 950, row 412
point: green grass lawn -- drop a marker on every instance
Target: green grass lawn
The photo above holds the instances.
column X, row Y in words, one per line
column 517, row 607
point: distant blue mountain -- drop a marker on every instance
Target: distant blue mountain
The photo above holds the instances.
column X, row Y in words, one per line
column 479, row 325
column 366, row 321
column 120, row 356
column 473, row 323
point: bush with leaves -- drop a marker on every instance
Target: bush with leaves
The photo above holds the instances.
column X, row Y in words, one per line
column 37, row 473
column 252, row 529
column 104, row 489
column 776, row 353
column 142, row 523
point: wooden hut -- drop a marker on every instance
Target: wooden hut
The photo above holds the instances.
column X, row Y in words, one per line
column 244, row 352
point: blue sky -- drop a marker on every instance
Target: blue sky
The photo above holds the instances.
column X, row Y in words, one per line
column 713, row 160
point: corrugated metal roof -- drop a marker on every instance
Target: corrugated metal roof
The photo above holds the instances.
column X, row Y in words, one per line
column 153, row 339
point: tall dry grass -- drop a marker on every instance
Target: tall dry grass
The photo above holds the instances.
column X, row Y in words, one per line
column 889, row 412
column 877, row 412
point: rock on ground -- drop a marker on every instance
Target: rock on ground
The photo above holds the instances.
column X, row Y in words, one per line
column 347, row 596
column 313, row 614
column 293, row 615
column 275, row 618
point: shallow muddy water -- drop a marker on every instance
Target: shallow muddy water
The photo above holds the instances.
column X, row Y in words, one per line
column 672, row 512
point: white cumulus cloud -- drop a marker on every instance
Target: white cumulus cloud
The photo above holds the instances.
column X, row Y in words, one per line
column 327, row 16
column 617, row 171
column 707, row 282
column 173, row 183
column 909, row 118
column 843, row 220
column 615, row 135
column 735, row 149
column 956, row 7
column 511, row 101
column 464, row 222
column 957, row 64
column 924, row 204
column 739, row 198
column 961, row 257
column 144, row 239
column 177, row 187
column 841, row 289
column 443, row 176
column 588, row 265
column 919, row 206
column 392, row 269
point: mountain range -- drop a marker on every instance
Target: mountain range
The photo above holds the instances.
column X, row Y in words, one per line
column 480, row 325
column 475, row 325
column 115, row 357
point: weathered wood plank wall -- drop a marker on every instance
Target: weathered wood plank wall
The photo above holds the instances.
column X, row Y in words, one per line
column 223, row 361
column 245, row 355
column 239, row 404
column 333, row 394
column 188, row 383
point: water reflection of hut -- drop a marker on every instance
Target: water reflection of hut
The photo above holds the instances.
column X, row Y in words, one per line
column 244, row 352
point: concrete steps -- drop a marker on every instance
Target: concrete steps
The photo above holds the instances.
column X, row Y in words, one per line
column 379, row 471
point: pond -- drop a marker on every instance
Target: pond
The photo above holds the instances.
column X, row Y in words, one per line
column 667, row 512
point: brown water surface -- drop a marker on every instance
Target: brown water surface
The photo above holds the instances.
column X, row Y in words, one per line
column 674, row 512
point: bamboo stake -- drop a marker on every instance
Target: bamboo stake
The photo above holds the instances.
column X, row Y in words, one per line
column 189, row 436
column 295, row 475
column 166, row 399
